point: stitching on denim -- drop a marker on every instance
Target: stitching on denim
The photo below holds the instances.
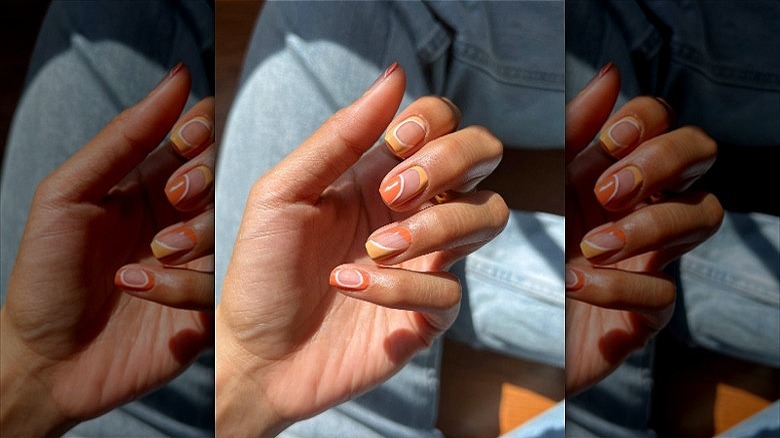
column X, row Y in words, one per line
column 759, row 290
column 536, row 286
column 477, row 58
column 698, row 61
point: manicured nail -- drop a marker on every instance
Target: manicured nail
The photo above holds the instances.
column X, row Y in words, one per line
column 171, row 73
column 386, row 74
column 134, row 279
column 173, row 241
column 604, row 242
column 192, row 135
column 349, row 279
column 619, row 185
column 188, row 186
column 406, row 136
column 404, row 186
column 603, row 72
column 574, row 280
column 388, row 243
column 621, row 135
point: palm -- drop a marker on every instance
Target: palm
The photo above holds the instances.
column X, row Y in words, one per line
column 102, row 345
column 307, row 321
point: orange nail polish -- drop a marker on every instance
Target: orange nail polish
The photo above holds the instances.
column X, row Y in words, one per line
column 603, row 242
column 172, row 241
column 404, row 186
column 388, row 243
column 351, row 279
column 621, row 184
column 621, row 135
column 134, row 279
column 406, row 136
column 186, row 187
column 192, row 135
column 574, row 280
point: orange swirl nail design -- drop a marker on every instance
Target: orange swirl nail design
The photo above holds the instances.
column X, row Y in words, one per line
column 388, row 243
column 349, row 279
column 404, row 186
column 134, row 279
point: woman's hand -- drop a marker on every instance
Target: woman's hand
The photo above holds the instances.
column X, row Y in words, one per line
column 307, row 319
column 629, row 214
column 73, row 344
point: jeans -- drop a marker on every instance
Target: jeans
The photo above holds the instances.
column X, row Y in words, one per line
column 307, row 60
column 719, row 78
column 91, row 61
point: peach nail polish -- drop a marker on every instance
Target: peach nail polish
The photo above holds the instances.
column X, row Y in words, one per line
column 388, row 243
column 174, row 240
column 192, row 135
column 134, row 279
column 186, row 187
column 621, row 135
column 404, row 186
column 406, row 136
column 349, row 279
column 606, row 241
column 619, row 185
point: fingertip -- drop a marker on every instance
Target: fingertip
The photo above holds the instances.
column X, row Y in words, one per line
column 350, row 278
column 134, row 279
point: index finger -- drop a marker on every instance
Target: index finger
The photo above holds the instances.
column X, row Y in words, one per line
column 124, row 142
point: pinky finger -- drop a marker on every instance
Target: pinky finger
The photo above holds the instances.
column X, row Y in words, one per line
column 619, row 290
column 174, row 287
column 434, row 294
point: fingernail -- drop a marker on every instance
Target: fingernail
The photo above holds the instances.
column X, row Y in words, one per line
column 603, row 72
column 404, row 186
column 134, row 279
column 192, row 135
column 406, row 136
column 349, row 279
column 619, row 185
column 574, row 280
column 386, row 74
column 173, row 241
column 187, row 187
column 168, row 76
column 606, row 241
column 621, row 135
column 388, row 243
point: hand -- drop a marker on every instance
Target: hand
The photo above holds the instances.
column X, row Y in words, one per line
column 307, row 320
column 73, row 344
column 629, row 214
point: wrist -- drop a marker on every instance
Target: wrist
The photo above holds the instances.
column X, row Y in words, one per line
column 241, row 408
column 26, row 407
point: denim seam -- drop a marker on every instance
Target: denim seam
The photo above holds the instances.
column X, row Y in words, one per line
column 544, row 291
column 696, row 60
column 477, row 58
column 709, row 273
column 433, row 45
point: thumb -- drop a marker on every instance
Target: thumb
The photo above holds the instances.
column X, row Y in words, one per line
column 587, row 112
column 338, row 144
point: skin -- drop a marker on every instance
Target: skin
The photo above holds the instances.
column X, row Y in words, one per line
column 293, row 344
column 625, row 298
column 74, row 344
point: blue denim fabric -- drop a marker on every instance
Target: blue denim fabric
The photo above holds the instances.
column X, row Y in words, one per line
column 709, row 61
column 92, row 60
column 498, row 62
